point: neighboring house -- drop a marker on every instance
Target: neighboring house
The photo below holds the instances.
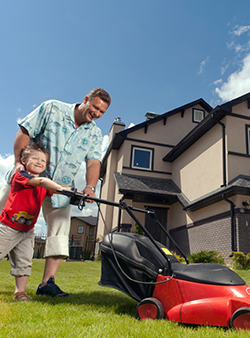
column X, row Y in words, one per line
column 82, row 237
column 39, row 246
column 192, row 166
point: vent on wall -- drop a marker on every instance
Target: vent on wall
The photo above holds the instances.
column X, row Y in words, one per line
column 198, row 115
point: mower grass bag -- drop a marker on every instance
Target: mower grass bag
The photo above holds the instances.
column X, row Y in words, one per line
column 130, row 260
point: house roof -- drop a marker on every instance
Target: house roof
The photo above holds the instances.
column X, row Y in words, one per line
column 164, row 191
column 90, row 220
column 240, row 185
column 206, row 124
column 149, row 190
column 118, row 138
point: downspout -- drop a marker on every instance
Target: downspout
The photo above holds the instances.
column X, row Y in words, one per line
column 223, row 150
column 97, row 220
column 232, row 205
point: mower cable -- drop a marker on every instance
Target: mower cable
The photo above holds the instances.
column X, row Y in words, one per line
column 117, row 262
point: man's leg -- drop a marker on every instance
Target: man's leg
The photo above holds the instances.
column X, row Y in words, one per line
column 51, row 267
column 57, row 246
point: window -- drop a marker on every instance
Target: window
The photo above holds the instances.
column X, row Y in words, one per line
column 248, row 138
column 91, row 232
column 198, row 115
column 142, row 158
column 80, row 229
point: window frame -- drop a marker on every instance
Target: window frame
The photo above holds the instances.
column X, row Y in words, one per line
column 151, row 157
column 200, row 111
column 80, row 226
column 248, row 139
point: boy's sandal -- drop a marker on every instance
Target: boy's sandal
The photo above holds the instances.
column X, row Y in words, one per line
column 21, row 296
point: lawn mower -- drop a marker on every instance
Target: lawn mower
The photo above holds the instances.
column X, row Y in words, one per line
column 144, row 269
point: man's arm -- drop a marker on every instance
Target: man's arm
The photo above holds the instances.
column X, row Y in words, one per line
column 92, row 176
column 21, row 141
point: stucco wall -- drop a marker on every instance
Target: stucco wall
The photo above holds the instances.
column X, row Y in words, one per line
column 198, row 171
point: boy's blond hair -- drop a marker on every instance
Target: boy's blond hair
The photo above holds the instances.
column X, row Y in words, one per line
column 26, row 152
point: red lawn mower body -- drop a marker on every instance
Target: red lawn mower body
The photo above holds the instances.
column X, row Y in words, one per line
column 204, row 304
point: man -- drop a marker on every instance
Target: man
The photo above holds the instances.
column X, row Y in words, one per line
column 70, row 134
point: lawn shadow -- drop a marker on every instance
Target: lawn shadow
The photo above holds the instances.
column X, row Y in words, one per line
column 120, row 302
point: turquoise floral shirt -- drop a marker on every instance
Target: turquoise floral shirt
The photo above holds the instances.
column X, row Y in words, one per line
column 52, row 123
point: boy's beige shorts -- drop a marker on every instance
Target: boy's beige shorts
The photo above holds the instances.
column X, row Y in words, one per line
column 19, row 245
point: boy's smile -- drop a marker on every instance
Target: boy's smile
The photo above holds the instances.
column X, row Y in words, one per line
column 36, row 162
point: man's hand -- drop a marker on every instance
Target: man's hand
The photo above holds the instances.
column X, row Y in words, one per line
column 18, row 166
column 90, row 192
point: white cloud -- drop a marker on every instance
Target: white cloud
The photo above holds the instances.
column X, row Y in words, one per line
column 40, row 229
column 236, row 46
column 5, row 164
column 131, row 125
column 239, row 30
column 105, row 144
column 216, row 82
column 202, row 65
column 237, row 84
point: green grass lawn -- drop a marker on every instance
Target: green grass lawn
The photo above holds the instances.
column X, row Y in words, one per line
column 89, row 311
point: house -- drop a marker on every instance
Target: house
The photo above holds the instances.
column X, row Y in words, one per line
column 39, row 246
column 191, row 166
column 82, row 237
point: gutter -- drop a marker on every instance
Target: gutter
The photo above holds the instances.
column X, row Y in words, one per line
column 223, row 150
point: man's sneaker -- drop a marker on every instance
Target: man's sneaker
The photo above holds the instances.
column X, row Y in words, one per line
column 51, row 289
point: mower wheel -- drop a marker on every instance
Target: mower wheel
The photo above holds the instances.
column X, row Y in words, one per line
column 241, row 319
column 149, row 308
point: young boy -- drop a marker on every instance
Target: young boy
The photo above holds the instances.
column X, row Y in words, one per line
column 20, row 214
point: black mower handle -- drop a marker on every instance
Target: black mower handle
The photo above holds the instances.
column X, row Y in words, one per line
column 76, row 196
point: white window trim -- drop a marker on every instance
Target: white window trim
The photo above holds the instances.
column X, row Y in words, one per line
column 78, row 229
column 150, row 151
column 199, row 111
column 248, row 140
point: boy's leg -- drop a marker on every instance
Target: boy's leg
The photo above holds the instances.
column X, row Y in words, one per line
column 19, row 246
column 21, row 255
column 21, row 282
column 9, row 239
column 21, row 262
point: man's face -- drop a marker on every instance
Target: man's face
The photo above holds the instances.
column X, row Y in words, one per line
column 93, row 109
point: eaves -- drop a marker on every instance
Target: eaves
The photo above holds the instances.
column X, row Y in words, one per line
column 195, row 134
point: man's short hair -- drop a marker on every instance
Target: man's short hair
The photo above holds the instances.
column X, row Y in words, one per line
column 99, row 92
column 27, row 151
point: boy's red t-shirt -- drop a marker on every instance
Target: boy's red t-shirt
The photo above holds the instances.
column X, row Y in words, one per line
column 24, row 203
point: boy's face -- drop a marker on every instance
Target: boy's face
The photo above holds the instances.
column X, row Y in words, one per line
column 36, row 162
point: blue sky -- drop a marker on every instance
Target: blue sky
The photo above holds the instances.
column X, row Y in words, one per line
column 150, row 55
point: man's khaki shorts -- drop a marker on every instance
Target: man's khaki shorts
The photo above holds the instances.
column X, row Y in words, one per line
column 58, row 227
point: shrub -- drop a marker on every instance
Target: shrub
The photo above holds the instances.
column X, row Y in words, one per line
column 241, row 260
column 180, row 258
column 206, row 256
column 138, row 230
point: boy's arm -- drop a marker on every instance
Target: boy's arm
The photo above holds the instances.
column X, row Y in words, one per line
column 46, row 183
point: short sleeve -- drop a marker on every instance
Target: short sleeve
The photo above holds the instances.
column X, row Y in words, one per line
column 36, row 121
column 95, row 151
